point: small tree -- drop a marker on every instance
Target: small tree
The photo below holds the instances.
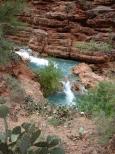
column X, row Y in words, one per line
column 9, row 9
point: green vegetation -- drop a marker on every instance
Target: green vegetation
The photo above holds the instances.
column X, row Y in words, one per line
column 31, row 106
column 55, row 122
column 97, row 101
column 105, row 127
column 9, row 23
column 101, row 98
column 26, row 139
column 55, row 115
column 4, row 111
column 49, row 78
column 61, row 114
column 93, row 46
column 17, row 93
column 2, row 100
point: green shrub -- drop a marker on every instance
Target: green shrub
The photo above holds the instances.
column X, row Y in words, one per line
column 2, row 100
column 55, row 121
column 9, row 23
column 49, row 78
column 105, row 127
column 100, row 104
column 17, row 93
column 4, row 111
column 32, row 106
column 102, row 98
column 93, row 46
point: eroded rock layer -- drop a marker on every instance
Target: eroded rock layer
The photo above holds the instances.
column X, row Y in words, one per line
column 54, row 27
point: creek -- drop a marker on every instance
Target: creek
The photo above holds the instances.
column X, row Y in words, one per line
column 66, row 96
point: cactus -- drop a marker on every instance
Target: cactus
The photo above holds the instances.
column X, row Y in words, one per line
column 53, row 141
column 81, row 132
column 25, row 139
column 57, row 150
column 36, row 150
column 4, row 110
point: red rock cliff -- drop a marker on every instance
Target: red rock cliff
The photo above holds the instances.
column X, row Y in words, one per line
column 55, row 26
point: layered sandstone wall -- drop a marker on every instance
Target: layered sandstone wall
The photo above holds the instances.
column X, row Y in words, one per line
column 54, row 27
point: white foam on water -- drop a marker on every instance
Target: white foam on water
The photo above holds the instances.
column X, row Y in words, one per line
column 24, row 54
column 27, row 56
column 38, row 61
column 68, row 92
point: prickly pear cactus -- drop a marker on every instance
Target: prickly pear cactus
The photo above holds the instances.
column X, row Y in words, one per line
column 57, row 150
column 26, row 139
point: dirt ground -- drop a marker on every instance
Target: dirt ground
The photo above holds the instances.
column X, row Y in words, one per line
column 68, row 132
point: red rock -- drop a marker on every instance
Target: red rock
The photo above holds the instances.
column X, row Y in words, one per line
column 28, row 81
column 104, row 2
column 54, row 28
column 89, row 58
column 87, row 76
column 104, row 21
column 56, row 15
column 83, row 30
column 57, row 51
column 38, row 40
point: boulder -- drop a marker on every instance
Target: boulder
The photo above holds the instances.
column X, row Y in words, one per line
column 87, row 76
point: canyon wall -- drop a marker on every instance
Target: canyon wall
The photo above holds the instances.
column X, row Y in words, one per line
column 54, row 27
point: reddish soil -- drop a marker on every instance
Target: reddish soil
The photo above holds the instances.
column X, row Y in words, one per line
column 68, row 132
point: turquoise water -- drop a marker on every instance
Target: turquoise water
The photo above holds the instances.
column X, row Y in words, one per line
column 65, row 66
column 65, row 96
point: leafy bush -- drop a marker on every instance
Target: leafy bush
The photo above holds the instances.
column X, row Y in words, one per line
column 100, row 104
column 4, row 111
column 2, row 100
column 55, row 122
column 30, row 104
column 93, row 46
column 26, row 139
column 102, row 98
column 17, row 93
column 60, row 114
column 49, row 78
column 8, row 24
column 105, row 127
